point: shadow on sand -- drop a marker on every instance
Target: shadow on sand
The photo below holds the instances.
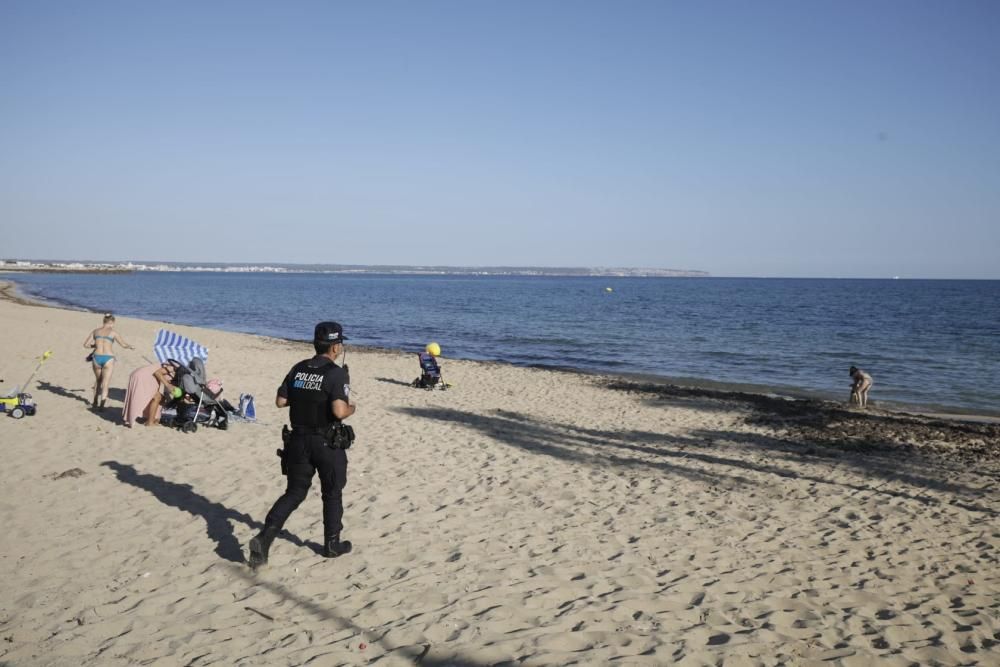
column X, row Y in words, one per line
column 217, row 516
column 82, row 395
column 418, row 655
column 832, row 425
column 392, row 381
column 112, row 413
column 677, row 454
column 75, row 394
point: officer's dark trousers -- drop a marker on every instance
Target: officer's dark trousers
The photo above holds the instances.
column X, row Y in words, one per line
column 305, row 455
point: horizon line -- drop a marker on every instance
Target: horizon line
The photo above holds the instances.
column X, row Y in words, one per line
column 425, row 268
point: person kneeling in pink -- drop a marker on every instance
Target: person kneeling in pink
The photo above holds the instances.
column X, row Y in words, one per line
column 147, row 386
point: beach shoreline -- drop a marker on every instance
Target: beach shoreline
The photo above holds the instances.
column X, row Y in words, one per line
column 9, row 290
column 525, row 514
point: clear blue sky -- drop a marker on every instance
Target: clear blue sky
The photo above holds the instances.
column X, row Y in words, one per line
column 742, row 138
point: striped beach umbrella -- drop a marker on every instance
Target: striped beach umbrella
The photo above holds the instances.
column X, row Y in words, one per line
column 170, row 345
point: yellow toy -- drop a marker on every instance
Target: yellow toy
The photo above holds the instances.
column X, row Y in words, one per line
column 18, row 403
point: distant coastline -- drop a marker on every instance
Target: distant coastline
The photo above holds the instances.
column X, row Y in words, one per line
column 69, row 266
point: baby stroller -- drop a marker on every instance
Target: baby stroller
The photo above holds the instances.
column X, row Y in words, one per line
column 430, row 373
column 198, row 404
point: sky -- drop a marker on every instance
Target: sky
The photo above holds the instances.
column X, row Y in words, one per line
column 806, row 138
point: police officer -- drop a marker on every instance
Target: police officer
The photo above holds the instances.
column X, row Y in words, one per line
column 317, row 392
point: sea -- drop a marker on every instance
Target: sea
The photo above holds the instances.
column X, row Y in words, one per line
column 932, row 345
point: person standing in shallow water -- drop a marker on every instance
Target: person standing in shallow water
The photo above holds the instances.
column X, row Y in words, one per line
column 102, row 358
column 859, row 388
column 317, row 392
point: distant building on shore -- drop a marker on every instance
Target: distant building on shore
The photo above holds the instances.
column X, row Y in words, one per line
column 127, row 267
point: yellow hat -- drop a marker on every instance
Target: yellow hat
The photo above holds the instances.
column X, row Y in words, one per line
column 434, row 349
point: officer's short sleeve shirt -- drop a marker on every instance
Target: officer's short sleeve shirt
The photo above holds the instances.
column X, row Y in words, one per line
column 337, row 384
column 310, row 387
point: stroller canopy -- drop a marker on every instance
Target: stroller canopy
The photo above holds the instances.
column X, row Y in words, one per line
column 169, row 345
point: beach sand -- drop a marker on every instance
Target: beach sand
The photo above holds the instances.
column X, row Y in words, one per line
column 526, row 516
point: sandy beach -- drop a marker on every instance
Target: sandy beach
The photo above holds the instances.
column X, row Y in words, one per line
column 524, row 517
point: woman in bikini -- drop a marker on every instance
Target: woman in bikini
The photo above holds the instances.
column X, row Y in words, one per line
column 103, row 360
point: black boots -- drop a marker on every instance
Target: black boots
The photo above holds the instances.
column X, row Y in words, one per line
column 334, row 547
column 260, row 545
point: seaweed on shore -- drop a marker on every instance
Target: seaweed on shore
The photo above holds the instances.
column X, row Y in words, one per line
column 830, row 425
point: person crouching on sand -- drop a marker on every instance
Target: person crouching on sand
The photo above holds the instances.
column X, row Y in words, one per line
column 859, row 388
column 147, row 387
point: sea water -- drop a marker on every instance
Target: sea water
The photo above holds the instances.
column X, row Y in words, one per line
column 929, row 343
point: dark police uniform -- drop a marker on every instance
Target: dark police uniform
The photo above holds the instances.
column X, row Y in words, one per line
column 310, row 388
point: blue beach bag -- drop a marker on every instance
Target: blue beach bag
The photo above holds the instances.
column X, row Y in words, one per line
column 248, row 410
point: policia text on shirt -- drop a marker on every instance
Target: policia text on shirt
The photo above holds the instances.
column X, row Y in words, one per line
column 317, row 392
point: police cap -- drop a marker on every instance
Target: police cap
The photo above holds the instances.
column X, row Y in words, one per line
column 329, row 332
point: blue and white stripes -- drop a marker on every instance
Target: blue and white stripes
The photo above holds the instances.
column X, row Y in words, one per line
column 169, row 345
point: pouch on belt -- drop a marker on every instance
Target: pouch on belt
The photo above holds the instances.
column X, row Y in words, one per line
column 340, row 436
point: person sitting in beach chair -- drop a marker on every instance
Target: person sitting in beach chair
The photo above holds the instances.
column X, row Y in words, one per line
column 430, row 370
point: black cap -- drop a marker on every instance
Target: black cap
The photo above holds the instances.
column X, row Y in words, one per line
column 329, row 332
